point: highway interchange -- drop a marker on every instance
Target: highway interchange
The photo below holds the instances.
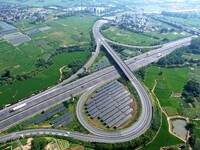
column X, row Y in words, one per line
column 60, row 93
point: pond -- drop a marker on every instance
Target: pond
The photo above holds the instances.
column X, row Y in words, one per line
column 179, row 127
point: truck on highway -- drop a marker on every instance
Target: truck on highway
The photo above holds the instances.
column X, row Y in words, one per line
column 18, row 107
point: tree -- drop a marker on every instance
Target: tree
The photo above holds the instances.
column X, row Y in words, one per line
column 7, row 74
column 197, row 144
column 142, row 73
column 192, row 88
column 39, row 143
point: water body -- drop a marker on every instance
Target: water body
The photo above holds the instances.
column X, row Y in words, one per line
column 179, row 127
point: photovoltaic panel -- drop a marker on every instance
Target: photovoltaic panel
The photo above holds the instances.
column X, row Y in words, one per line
column 128, row 111
column 125, row 108
column 110, row 114
column 67, row 122
column 107, row 107
column 95, row 114
column 112, row 117
column 104, row 104
column 123, row 101
column 123, row 121
column 91, row 108
column 116, row 120
column 60, row 117
column 126, row 103
column 103, row 101
column 89, row 102
column 40, row 118
column 123, row 96
column 107, row 111
column 92, row 112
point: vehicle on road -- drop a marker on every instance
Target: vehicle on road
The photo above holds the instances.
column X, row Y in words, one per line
column 159, row 54
column 18, row 107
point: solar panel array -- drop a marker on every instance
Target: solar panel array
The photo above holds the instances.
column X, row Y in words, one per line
column 104, row 63
column 110, row 104
column 64, row 119
column 46, row 115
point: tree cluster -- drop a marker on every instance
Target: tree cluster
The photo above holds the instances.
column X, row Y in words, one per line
column 194, row 46
column 193, row 140
column 191, row 91
column 175, row 58
column 142, row 73
column 38, row 143
column 75, row 65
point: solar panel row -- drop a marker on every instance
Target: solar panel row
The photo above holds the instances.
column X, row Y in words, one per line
column 112, row 117
column 116, row 120
column 123, row 96
column 67, row 122
column 125, row 108
column 28, row 122
column 91, row 108
column 128, row 111
column 107, row 107
column 92, row 112
column 119, row 91
column 110, row 114
column 106, row 103
column 89, row 102
column 40, row 119
column 100, row 99
column 107, row 85
column 95, row 114
column 64, row 119
column 58, row 118
column 56, row 112
column 98, row 103
column 106, row 112
column 123, row 101
column 123, row 121
column 125, row 104
column 100, row 95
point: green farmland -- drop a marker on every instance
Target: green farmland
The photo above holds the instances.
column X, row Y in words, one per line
column 146, row 39
column 64, row 33
column 20, row 89
column 169, row 88
column 164, row 138
column 191, row 22
column 22, row 58
column 171, row 82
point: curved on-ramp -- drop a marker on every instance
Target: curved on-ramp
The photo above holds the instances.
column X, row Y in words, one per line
column 144, row 120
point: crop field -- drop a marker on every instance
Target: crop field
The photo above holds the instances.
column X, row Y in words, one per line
column 64, row 33
column 164, row 138
column 146, row 39
column 169, row 84
column 191, row 22
column 19, row 89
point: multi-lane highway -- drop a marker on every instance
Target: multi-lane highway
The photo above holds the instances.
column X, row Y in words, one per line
column 58, row 94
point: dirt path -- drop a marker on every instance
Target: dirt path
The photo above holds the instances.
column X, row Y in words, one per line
column 61, row 72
